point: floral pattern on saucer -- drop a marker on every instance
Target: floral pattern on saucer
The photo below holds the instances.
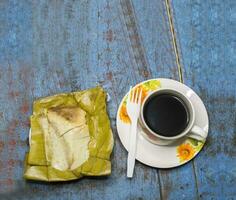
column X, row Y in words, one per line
column 169, row 156
column 146, row 87
column 188, row 149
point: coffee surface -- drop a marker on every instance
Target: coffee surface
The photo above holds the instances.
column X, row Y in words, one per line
column 166, row 115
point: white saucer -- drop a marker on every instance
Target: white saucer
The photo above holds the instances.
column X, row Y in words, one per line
column 172, row 155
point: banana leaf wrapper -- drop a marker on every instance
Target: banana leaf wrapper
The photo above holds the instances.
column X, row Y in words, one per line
column 70, row 137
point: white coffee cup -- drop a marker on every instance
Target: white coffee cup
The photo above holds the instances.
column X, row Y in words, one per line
column 191, row 130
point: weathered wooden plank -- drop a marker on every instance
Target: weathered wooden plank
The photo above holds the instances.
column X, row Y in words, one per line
column 205, row 31
column 178, row 183
column 110, row 62
column 15, row 41
column 24, row 79
column 14, row 85
column 155, row 37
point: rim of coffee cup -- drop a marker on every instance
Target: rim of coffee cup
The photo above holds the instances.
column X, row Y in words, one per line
column 190, row 108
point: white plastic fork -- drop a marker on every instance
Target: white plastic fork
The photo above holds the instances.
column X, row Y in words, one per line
column 133, row 110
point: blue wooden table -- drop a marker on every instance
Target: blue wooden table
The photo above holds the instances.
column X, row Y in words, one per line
column 48, row 47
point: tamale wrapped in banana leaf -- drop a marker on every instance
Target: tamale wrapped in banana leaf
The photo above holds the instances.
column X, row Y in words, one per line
column 70, row 137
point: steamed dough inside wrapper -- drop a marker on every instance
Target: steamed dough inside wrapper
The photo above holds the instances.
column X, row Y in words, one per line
column 70, row 137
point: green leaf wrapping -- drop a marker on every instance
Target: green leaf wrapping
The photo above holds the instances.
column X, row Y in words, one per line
column 70, row 137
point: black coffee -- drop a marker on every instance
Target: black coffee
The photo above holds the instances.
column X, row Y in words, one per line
column 166, row 114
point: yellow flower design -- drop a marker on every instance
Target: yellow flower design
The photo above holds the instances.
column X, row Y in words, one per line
column 144, row 92
column 123, row 112
column 152, row 84
column 185, row 152
column 124, row 115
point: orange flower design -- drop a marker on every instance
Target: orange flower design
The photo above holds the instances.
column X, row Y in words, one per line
column 144, row 92
column 123, row 112
column 185, row 152
column 124, row 115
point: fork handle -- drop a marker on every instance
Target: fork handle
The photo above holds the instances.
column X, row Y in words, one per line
column 132, row 149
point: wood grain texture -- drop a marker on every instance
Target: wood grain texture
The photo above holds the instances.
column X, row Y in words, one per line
column 205, row 32
column 48, row 47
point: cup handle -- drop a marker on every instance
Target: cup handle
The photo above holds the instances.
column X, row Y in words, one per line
column 197, row 133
